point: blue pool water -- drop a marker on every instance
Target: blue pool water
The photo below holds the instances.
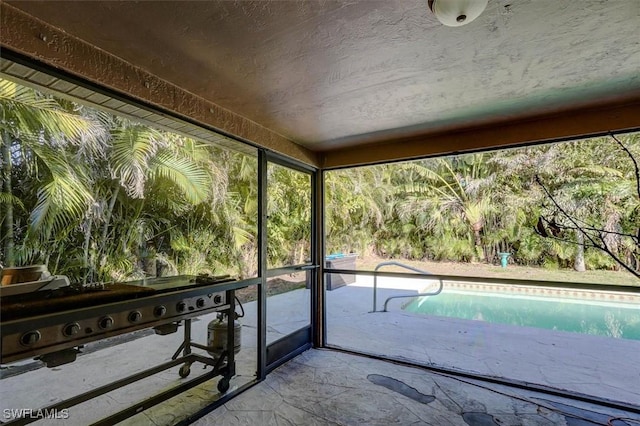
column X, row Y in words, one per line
column 599, row 318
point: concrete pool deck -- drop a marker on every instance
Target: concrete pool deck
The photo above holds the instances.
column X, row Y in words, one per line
column 603, row 367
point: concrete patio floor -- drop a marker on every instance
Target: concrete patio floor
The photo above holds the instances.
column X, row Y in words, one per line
column 323, row 387
column 602, row 367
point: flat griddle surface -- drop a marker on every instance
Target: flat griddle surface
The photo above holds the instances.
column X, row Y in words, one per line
column 33, row 304
column 69, row 298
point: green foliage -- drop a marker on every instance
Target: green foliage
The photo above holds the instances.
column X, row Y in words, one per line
column 289, row 216
column 100, row 198
column 97, row 197
column 597, row 259
column 471, row 207
column 551, row 264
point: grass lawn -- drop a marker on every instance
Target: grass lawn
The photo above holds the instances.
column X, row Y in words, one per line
column 287, row 282
column 511, row 271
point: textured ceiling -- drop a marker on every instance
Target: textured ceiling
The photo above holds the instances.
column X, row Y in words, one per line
column 330, row 74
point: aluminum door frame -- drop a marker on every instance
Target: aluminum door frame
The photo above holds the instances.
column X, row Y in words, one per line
column 276, row 353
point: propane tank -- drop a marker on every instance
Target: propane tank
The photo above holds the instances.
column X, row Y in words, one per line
column 217, row 336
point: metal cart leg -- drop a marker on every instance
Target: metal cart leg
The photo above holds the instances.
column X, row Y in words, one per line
column 230, row 369
column 185, row 370
column 231, row 334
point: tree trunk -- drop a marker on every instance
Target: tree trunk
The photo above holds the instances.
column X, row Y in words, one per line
column 579, row 265
column 477, row 240
column 8, row 243
column 149, row 267
column 85, row 248
column 107, row 219
column 611, row 237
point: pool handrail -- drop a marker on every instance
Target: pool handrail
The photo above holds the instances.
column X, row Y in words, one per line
column 402, row 265
column 433, row 293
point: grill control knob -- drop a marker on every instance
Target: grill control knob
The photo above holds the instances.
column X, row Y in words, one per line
column 30, row 338
column 71, row 329
column 159, row 311
column 217, row 299
column 135, row 316
column 106, row 322
column 200, row 303
column 181, row 307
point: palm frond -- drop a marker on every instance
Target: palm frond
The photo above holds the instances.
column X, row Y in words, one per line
column 65, row 197
column 28, row 114
column 133, row 148
column 193, row 181
column 62, row 200
column 10, row 199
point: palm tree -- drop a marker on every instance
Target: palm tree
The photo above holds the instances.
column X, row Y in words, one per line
column 35, row 128
column 595, row 202
column 457, row 190
column 289, row 213
column 151, row 179
column 359, row 207
column 78, row 173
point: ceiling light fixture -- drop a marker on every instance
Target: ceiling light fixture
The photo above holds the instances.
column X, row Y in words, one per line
column 454, row 13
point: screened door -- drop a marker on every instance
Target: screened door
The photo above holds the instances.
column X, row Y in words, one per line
column 290, row 269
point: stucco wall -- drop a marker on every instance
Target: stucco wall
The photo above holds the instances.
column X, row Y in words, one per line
column 23, row 34
column 51, row 46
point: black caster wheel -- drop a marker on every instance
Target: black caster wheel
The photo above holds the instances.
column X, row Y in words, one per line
column 223, row 385
column 185, row 370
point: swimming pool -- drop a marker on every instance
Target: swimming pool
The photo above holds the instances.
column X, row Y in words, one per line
column 602, row 315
